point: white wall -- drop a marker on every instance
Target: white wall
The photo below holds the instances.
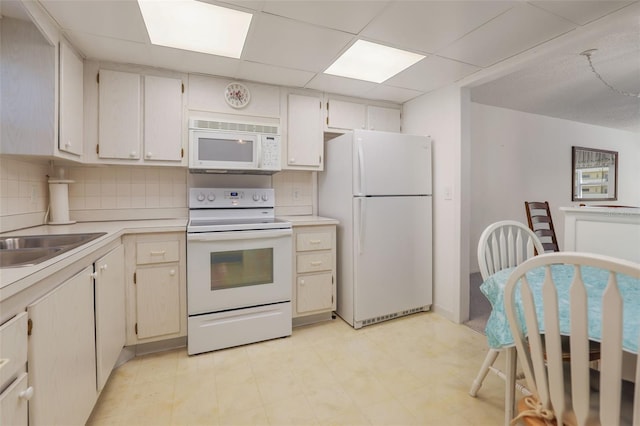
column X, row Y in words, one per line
column 440, row 114
column 521, row 157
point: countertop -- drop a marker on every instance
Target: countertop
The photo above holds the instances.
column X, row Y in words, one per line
column 309, row 220
column 14, row 280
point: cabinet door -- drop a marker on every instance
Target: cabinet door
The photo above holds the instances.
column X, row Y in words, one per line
column 314, row 292
column 71, row 101
column 158, row 300
column 162, row 118
column 110, row 312
column 13, row 406
column 61, row 356
column 383, row 119
column 346, row 115
column 119, row 131
column 304, row 131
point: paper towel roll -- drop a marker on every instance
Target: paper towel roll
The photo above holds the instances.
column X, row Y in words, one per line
column 59, row 202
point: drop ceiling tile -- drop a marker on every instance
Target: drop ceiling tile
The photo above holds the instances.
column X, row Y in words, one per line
column 109, row 49
column 393, row 94
column 580, row 12
column 284, row 42
column 274, row 75
column 350, row 16
column 186, row 61
column 431, row 73
column 340, row 85
column 426, row 26
column 513, row 32
column 247, row 4
column 115, row 19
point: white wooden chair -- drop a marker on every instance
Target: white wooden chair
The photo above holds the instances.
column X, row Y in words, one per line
column 504, row 244
column 571, row 395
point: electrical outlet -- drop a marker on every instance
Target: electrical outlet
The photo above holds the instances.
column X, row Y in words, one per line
column 296, row 194
column 448, row 193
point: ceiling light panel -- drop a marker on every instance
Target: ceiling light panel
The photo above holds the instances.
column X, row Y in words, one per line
column 196, row 26
column 372, row 62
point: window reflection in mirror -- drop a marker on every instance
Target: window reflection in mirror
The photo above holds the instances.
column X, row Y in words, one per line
column 594, row 174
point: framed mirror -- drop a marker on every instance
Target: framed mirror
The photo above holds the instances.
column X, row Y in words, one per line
column 594, row 174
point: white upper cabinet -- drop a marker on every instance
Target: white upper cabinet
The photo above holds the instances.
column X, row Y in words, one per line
column 119, row 124
column 383, row 119
column 28, row 81
column 162, row 118
column 346, row 115
column 304, row 141
column 133, row 117
column 70, row 125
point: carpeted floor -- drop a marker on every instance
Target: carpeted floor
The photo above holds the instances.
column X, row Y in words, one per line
column 479, row 306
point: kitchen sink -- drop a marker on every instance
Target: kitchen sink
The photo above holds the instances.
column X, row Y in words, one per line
column 33, row 249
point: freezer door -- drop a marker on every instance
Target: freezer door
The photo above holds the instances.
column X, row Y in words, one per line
column 391, row 164
column 392, row 255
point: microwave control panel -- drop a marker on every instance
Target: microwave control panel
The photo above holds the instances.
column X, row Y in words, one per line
column 270, row 152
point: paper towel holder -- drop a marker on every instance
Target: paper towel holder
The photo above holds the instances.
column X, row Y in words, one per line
column 59, row 202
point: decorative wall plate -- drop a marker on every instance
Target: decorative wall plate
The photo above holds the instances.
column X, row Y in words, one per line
column 237, row 95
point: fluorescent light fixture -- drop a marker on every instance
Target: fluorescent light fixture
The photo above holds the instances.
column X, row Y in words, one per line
column 372, row 62
column 196, row 26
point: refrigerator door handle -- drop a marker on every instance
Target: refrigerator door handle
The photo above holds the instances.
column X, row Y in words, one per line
column 361, row 189
column 361, row 202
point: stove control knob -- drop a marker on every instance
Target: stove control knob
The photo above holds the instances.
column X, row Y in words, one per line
column 201, row 197
column 211, row 197
column 265, row 197
column 256, row 197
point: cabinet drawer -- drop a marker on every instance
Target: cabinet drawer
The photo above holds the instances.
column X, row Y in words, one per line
column 157, row 252
column 313, row 241
column 313, row 262
column 13, row 408
column 13, row 347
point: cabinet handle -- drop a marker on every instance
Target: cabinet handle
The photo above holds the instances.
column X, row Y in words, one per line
column 301, row 282
column 103, row 267
column 172, row 272
column 158, row 253
column 315, row 241
column 133, row 154
column 26, row 394
column 149, row 154
column 93, row 275
column 316, row 263
column 67, row 145
column 292, row 160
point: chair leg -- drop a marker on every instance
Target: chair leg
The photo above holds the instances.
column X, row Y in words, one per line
column 510, row 385
column 484, row 370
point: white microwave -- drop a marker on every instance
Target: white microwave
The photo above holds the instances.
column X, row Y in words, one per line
column 224, row 147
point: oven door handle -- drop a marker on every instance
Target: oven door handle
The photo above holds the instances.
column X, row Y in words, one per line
column 239, row 235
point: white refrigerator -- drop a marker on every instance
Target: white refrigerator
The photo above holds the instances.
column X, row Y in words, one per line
column 378, row 185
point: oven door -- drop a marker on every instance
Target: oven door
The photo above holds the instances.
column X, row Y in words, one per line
column 237, row 269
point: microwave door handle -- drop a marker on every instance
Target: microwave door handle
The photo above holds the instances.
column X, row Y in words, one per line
column 258, row 156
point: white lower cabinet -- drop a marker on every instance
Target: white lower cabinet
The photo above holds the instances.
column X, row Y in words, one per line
column 156, row 287
column 109, row 312
column 13, row 377
column 314, row 289
column 62, row 353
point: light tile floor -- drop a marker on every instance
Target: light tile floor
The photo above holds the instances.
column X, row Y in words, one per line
column 414, row 370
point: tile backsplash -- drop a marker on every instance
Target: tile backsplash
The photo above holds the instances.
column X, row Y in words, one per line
column 122, row 187
column 122, row 192
column 23, row 193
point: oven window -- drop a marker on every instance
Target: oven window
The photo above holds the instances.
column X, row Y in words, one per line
column 210, row 149
column 241, row 268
